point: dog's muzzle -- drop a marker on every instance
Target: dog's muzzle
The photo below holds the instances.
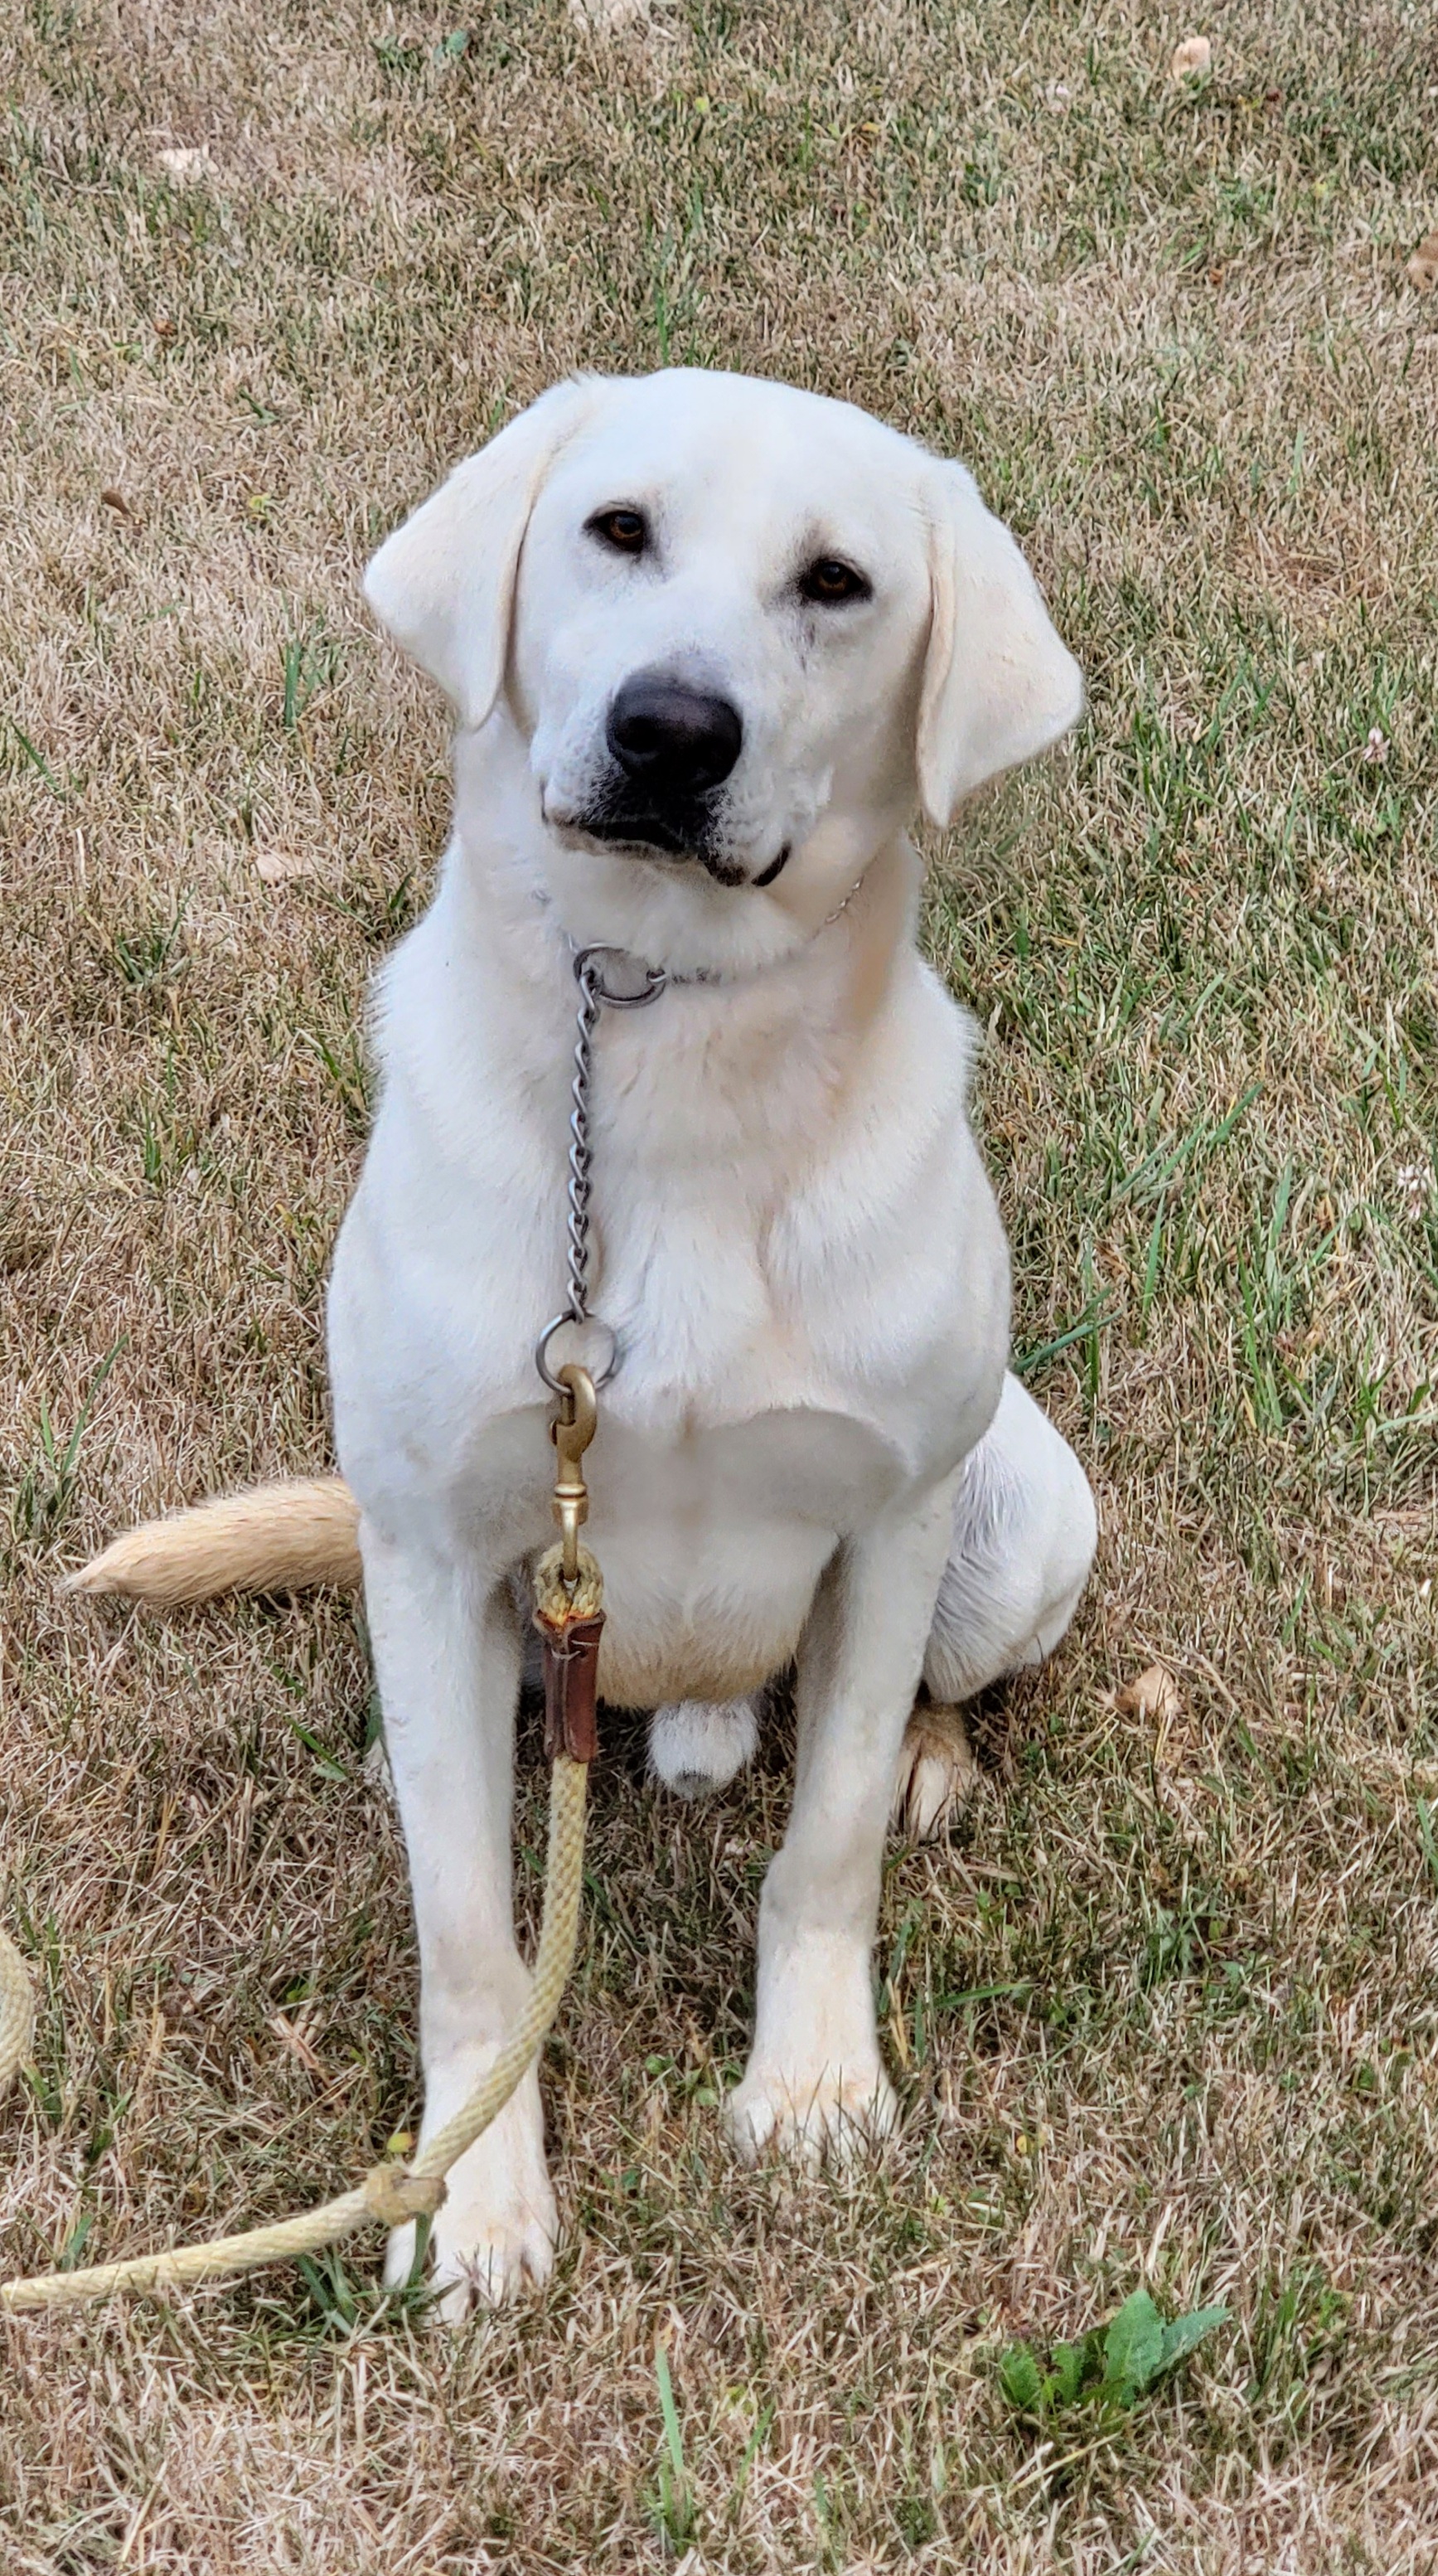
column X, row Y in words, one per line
column 672, row 747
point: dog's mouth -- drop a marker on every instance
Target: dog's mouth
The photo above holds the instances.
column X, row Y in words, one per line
column 670, row 836
column 648, row 835
column 775, row 867
column 643, row 833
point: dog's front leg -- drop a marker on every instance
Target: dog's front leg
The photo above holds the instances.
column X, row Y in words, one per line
column 815, row 2077
column 447, row 1653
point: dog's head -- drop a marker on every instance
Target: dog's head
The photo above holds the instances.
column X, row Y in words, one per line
column 742, row 630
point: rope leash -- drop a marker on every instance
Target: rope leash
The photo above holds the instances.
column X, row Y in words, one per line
column 390, row 2193
column 569, row 1614
column 17, row 2012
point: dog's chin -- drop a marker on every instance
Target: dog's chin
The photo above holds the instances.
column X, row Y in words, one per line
column 621, row 890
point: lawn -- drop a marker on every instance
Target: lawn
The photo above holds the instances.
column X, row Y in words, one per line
column 1164, row 2011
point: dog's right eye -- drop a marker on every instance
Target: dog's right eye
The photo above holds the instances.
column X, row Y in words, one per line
column 627, row 531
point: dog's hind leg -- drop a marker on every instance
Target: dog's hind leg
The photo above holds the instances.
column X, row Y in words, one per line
column 1025, row 1530
column 698, row 1745
column 937, row 1772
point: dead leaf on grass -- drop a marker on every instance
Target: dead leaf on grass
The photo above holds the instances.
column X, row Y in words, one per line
column 114, row 499
column 186, row 162
column 280, row 867
column 1423, row 266
column 1153, row 1698
column 1193, row 56
column 1152, row 1695
column 609, row 17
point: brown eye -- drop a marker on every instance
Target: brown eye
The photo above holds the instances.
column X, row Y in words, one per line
column 831, row 582
column 625, row 530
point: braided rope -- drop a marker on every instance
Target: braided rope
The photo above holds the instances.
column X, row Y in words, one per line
column 17, row 2012
column 390, row 2193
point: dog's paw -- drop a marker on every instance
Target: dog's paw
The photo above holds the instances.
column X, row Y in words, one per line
column 831, row 2113
column 697, row 1746
column 937, row 1773
column 496, row 2231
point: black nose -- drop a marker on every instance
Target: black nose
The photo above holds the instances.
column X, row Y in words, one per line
column 671, row 739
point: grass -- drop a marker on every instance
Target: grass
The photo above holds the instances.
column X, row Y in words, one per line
column 1164, row 2013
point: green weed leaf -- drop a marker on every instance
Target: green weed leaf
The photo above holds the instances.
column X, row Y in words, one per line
column 1109, row 2369
column 1133, row 2349
column 1187, row 2333
column 1021, row 2379
column 1070, row 2367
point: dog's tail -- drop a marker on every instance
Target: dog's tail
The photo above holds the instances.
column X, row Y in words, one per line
column 275, row 1538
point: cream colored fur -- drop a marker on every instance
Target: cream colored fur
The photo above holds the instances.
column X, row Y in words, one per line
column 811, row 1450
column 277, row 1538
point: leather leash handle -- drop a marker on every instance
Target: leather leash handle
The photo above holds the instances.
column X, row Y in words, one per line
column 570, row 1657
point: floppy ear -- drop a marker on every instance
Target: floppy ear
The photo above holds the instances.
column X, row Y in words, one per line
column 443, row 584
column 998, row 685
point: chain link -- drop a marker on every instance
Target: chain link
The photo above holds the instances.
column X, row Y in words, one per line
column 594, row 995
column 581, row 1158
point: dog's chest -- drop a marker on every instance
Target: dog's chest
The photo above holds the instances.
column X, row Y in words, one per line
column 805, row 1328
column 712, row 1541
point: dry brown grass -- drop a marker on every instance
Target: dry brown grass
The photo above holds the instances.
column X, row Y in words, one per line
column 1170, row 325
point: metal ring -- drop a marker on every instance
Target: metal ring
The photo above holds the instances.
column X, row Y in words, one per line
column 616, row 1001
column 581, row 1324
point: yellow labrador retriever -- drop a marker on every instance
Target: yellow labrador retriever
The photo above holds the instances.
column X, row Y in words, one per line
column 709, row 643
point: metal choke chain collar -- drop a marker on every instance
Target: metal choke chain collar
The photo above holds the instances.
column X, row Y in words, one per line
column 595, row 995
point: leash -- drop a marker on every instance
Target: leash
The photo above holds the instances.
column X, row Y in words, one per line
column 569, row 1614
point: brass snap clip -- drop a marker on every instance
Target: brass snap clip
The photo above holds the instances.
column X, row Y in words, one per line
column 569, row 1594
column 571, row 1433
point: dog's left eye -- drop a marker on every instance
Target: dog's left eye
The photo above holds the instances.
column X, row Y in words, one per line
column 625, row 530
column 830, row 582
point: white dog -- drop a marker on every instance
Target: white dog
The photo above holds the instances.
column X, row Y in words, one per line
column 709, row 642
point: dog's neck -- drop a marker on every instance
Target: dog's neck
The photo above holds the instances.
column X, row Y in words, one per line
column 746, row 1080
column 672, row 917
